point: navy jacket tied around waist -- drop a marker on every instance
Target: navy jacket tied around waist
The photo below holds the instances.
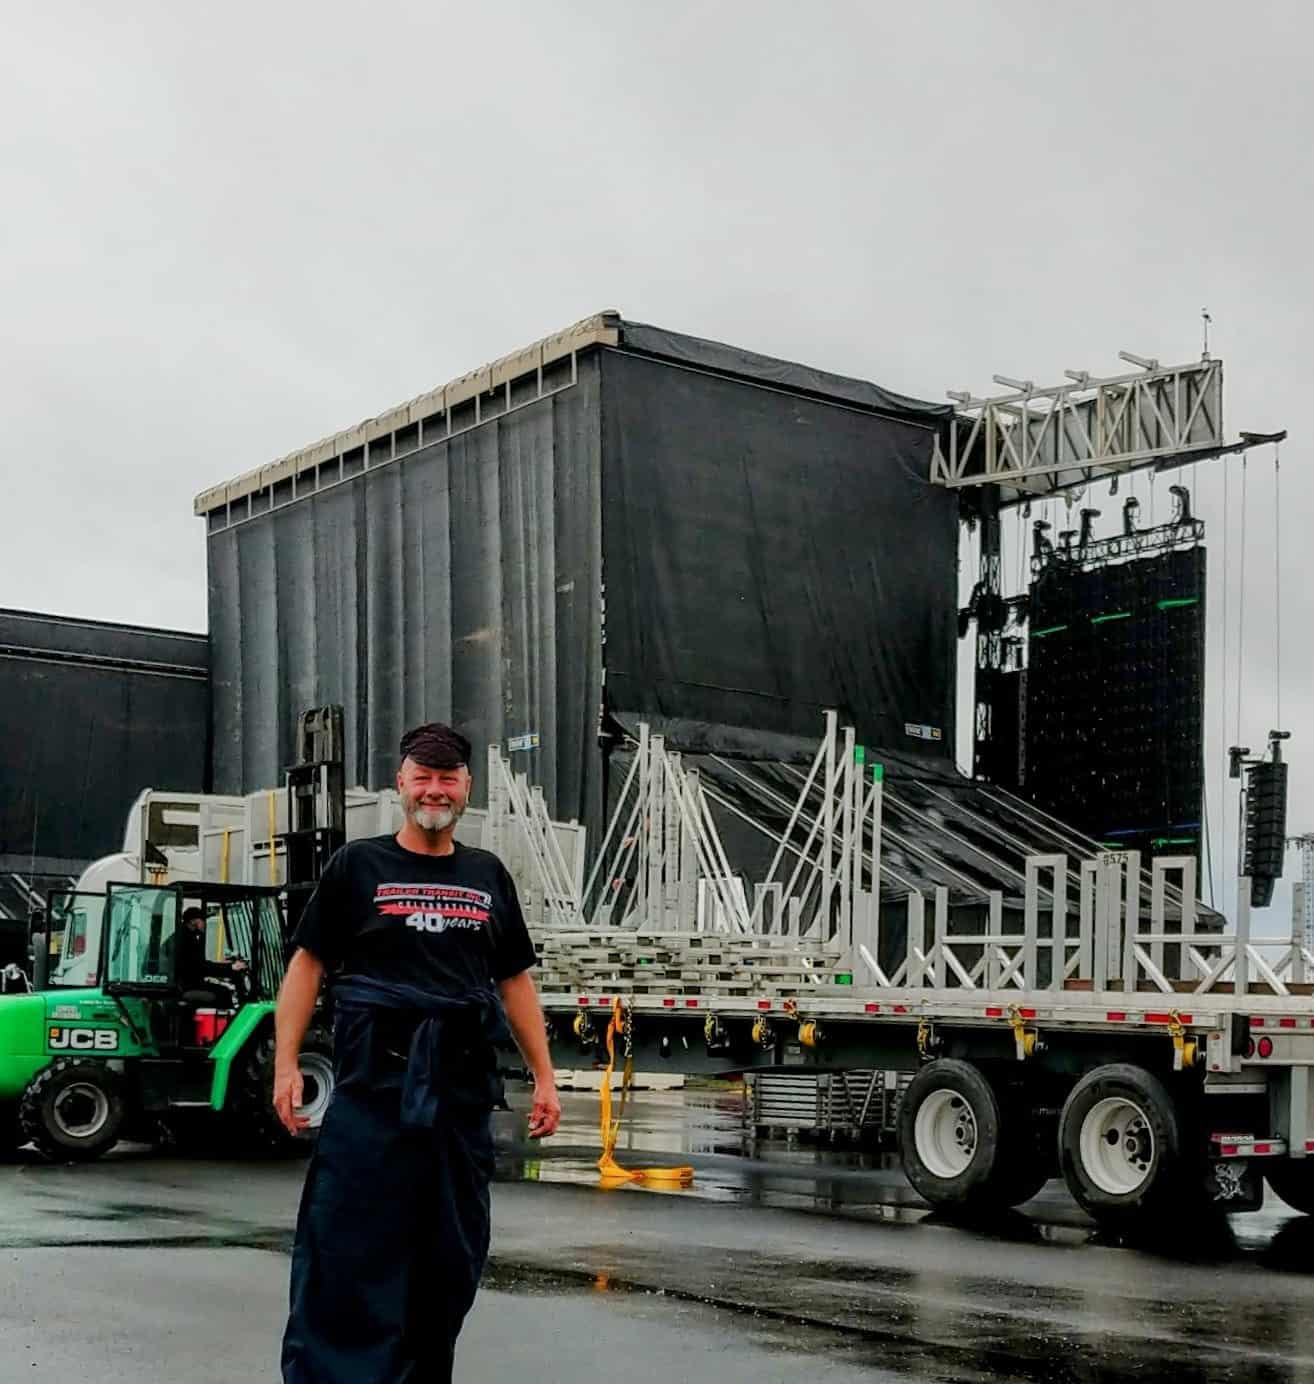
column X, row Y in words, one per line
column 452, row 1053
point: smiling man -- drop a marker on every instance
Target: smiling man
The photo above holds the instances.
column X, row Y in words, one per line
column 420, row 937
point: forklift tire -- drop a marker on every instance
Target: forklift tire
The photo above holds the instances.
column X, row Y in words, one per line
column 73, row 1110
column 253, row 1119
column 1293, row 1180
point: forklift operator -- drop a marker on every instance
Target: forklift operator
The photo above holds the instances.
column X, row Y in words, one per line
column 428, row 958
column 196, row 975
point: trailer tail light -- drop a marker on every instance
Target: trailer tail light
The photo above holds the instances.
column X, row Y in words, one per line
column 1250, row 1047
column 1264, row 1047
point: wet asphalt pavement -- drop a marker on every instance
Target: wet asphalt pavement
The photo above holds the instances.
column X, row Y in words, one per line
column 781, row 1261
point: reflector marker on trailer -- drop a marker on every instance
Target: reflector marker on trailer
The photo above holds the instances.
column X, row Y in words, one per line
column 691, row 1004
column 1286, row 1023
column 668, row 1003
column 1116, row 1016
column 1167, row 1018
column 604, row 1001
column 583, row 999
column 1248, row 1146
column 871, row 1008
column 764, row 1004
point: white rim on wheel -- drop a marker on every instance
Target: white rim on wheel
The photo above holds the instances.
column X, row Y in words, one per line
column 317, row 1087
column 1117, row 1146
column 80, row 1111
column 945, row 1133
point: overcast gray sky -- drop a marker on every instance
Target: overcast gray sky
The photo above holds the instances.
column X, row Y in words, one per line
column 229, row 231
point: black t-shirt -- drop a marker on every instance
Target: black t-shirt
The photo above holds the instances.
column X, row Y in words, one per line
column 445, row 923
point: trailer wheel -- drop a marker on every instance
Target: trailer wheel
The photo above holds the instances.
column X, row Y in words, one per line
column 949, row 1134
column 1293, row 1180
column 1120, row 1142
column 251, row 1106
column 73, row 1109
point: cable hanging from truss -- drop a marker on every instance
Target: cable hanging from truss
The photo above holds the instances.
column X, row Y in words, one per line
column 1277, row 578
column 1241, row 606
column 1204, row 787
column 1224, row 670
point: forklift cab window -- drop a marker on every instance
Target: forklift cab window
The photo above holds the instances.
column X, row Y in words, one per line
column 142, row 924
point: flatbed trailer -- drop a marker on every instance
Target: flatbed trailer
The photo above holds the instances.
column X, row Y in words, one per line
column 1097, row 1023
column 1131, row 1096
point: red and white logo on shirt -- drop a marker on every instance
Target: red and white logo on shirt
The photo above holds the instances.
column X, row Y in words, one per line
column 434, row 907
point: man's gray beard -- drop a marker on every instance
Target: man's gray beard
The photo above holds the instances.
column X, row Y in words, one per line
column 435, row 818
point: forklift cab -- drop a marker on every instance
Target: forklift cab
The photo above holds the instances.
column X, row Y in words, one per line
column 195, row 953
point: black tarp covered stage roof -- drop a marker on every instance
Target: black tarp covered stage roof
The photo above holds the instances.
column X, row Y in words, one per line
column 939, row 828
column 619, row 519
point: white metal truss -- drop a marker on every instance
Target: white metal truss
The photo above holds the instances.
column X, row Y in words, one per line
column 1304, row 892
column 1034, row 441
column 519, row 830
column 664, row 915
column 667, row 869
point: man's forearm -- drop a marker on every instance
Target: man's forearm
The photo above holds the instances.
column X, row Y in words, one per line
column 296, row 1003
column 525, row 1015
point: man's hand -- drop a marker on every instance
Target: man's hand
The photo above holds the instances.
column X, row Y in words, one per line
column 546, row 1114
column 287, row 1096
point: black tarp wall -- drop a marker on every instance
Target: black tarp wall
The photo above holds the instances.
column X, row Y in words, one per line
column 770, row 542
column 460, row 583
column 769, row 555
column 90, row 714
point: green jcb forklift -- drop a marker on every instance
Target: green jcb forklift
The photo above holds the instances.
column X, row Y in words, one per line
column 172, row 1031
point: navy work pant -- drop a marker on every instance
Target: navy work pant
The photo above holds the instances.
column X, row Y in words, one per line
column 390, row 1245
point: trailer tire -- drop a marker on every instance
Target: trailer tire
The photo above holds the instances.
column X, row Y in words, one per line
column 949, row 1135
column 73, row 1109
column 251, row 1109
column 1293, row 1180
column 1120, row 1143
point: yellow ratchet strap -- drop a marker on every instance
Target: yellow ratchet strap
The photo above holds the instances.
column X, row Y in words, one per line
column 612, row 1172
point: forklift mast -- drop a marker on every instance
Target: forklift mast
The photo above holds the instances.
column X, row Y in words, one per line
column 316, row 805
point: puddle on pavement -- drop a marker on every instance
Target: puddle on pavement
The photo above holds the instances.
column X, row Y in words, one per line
column 910, row 1333
column 704, row 1124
